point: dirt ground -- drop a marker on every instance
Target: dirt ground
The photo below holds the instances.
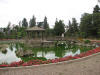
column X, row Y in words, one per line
column 89, row 66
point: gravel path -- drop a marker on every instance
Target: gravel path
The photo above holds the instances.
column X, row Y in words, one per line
column 87, row 66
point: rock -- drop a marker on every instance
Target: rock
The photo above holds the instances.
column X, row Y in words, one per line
column 3, row 48
column 24, row 53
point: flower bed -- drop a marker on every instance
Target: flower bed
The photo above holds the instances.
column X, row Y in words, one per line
column 38, row 62
column 6, row 39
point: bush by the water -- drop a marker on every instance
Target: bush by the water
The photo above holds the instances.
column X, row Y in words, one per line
column 87, row 41
column 26, row 59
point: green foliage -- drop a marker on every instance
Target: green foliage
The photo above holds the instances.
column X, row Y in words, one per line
column 98, row 32
column 84, row 49
column 1, row 35
column 96, row 9
column 46, row 25
column 24, row 23
column 21, row 32
column 70, row 30
column 59, row 28
column 59, row 51
column 26, row 59
column 75, row 25
column 82, row 34
column 90, row 23
column 87, row 41
column 8, row 27
column 40, row 24
column 89, row 27
column 86, row 25
column 62, row 45
column 73, row 28
column 32, row 22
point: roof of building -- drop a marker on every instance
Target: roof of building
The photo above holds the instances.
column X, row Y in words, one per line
column 35, row 28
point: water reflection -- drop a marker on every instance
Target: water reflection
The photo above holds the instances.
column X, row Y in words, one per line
column 51, row 53
column 9, row 57
column 70, row 53
column 48, row 55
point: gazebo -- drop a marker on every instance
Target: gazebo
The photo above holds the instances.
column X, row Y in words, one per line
column 35, row 32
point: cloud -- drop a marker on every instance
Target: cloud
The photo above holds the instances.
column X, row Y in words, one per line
column 16, row 10
column 3, row 1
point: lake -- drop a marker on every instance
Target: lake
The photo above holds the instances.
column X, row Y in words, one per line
column 48, row 53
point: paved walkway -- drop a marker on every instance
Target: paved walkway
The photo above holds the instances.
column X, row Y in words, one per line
column 87, row 66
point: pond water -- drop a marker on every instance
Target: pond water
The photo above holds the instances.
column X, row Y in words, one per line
column 53, row 54
column 48, row 53
column 9, row 56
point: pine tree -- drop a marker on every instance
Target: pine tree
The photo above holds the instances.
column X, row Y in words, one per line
column 70, row 30
column 32, row 22
column 96, row 21
column 86, row 26
column 24, row 23
column 20, row 23
column 59, row 28
column 46, row 25
column 75, row 25
column 96, row 9
column 8, row 27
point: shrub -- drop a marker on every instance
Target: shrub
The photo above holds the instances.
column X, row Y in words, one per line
column 87, row 41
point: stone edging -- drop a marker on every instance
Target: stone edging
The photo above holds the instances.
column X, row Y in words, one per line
column 59, row 63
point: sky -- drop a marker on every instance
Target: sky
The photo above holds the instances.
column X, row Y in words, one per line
column 15, row 10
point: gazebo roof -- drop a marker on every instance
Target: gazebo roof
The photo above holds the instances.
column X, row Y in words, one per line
column 35, row 28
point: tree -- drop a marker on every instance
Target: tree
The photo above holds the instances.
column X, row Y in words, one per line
column 8, row 27
column 46, row 25
column 40, row 24
column 90, row 23
column 75, row 25
column 86, row 26
column 73, row 28
column 96, row 21
column 96, row 24
column 24, row 23
column 32, row 22
column 59, row 28
column 70, row 30
column 20, row 23
column 96, row 9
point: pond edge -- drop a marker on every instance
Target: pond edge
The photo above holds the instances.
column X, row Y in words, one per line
column 58, row 63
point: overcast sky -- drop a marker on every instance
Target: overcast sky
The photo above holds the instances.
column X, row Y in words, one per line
column 16, row 10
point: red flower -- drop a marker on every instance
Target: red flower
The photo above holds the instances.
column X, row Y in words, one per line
column 3, row 65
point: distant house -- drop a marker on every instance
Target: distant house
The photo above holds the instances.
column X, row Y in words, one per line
column 1, row 29
column 66, row 28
